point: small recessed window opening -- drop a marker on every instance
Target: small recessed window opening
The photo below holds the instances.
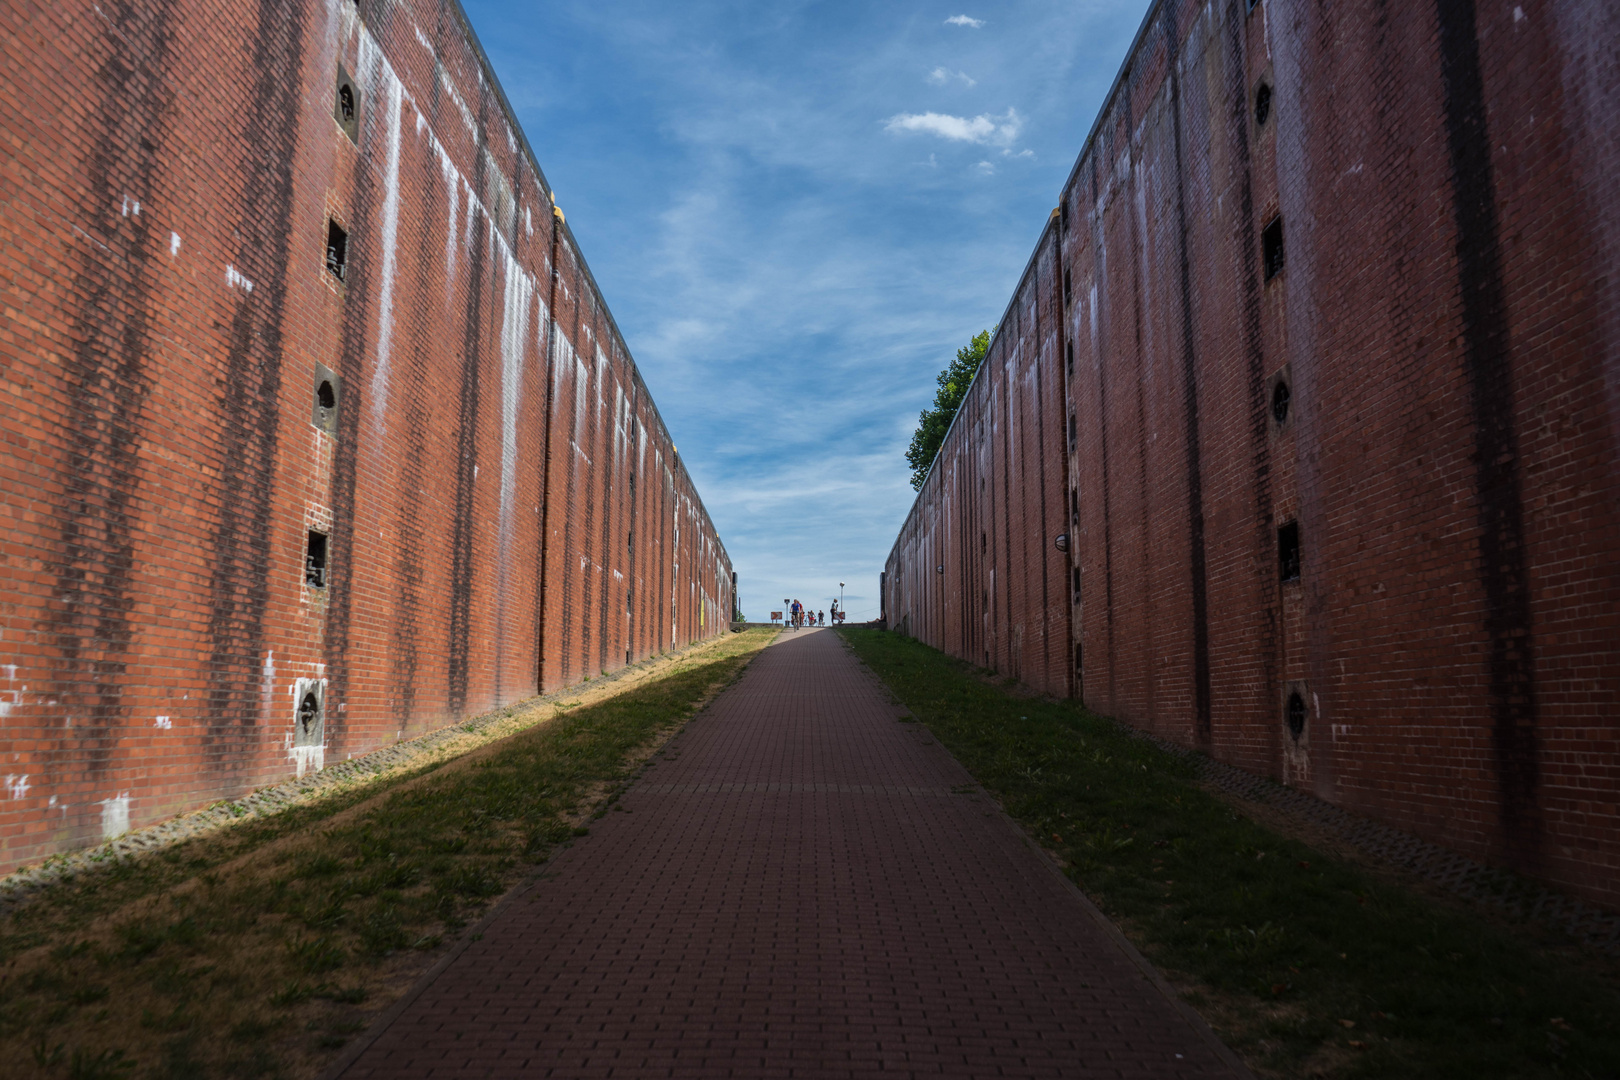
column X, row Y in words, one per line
column 337, row 250
column 328, row 391
column 315, row 566
column 1077, row 584
column 1295, row 714
column 1271, row 248
column 1288, row 551
column 1074, row 507
column 1068, row 358
column 1078, row 666
column 1063, row 215
column 1280, row 397
column 309, row 714
column 1262, row 104
column 984, row 542
column 1068, row 288
column 346, row 106
column 1073, row 432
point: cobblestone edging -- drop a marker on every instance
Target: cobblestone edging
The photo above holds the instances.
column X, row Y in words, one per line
column 20, row 885
column 1507, row 892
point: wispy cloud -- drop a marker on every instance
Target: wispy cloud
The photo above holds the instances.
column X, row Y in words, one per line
column 986, row 168
column 964, row 20
column 790, row 274
column 940, row 76
column 984, row 128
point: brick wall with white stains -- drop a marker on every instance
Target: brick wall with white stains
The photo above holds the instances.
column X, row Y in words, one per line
column 1333, row 403
column 258, row 516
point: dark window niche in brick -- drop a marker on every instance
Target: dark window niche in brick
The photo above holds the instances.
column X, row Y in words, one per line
column 1074, row 433
column 1063, row 215
column 1068, row 358
column 337, row 250
column 1288, row 551
column 1271, row 248
column 1074, row 507
column 315, row 564
column 1262, row 104
column 346, row 106
column 309, row 721
column 1076, row 584
column 1294, row 713
column 328, row 392
column 1280, row 399
column 1068, row 288
column 309, row 714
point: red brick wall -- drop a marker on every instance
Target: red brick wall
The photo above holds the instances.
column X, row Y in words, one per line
column 993, row 504
column 505, row 506
column 1445, row 320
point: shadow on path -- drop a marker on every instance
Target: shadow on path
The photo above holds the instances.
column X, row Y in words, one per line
column 803, row 886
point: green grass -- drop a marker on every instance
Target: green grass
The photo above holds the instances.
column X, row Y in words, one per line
column 259, row 951
column 1306, row 965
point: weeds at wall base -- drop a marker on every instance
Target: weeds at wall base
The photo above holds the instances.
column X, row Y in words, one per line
column 262, row 949
column 1306, row 965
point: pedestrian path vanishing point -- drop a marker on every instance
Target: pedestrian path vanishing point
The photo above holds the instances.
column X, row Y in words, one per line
column 803, row 887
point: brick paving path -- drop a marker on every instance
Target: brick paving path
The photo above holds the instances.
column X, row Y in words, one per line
column 803, row 887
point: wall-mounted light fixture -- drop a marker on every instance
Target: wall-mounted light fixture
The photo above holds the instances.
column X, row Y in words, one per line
column 1061, row 542
column 940, row 569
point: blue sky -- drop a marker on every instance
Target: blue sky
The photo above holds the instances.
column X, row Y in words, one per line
column 798, row 212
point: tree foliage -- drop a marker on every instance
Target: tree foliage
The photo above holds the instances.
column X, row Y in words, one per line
column 934, row 422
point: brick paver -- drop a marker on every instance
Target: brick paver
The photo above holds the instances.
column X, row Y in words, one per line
column 803, row 887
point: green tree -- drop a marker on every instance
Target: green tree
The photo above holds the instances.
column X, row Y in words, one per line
column 933, row 423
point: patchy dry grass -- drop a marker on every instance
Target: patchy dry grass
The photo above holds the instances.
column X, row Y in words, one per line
column 261, row 950
column 1307, row 964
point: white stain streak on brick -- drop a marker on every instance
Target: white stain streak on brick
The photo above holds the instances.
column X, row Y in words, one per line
column 308, row 758
column 17, row 786
column 115, row 816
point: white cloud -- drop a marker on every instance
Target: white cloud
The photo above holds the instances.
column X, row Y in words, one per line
column 986, row 167
column 964, row 20
column 940, row 76
column 985, row 129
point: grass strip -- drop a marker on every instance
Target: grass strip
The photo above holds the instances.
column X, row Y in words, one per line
column 260, row 951
column 1307, row 965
